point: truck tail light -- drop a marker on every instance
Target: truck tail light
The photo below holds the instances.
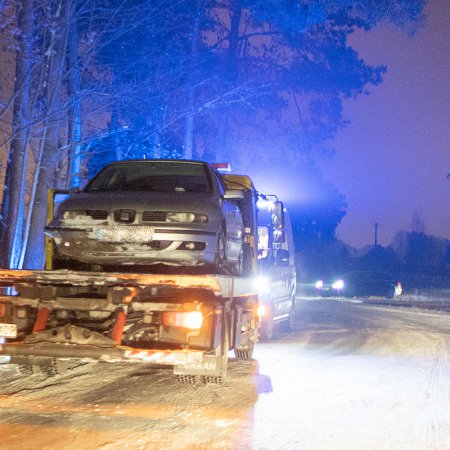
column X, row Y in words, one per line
column 261, row 311
column 192, row 320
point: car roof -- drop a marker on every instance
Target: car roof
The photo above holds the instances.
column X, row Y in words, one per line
column 155, row 160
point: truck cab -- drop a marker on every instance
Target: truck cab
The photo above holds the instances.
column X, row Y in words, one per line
column 276, row 262
column 270, row 249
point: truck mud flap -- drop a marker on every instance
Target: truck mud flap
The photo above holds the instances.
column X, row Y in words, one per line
column 213, row 367
column 210, row 366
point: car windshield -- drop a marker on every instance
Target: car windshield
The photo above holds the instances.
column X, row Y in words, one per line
column 163, row 176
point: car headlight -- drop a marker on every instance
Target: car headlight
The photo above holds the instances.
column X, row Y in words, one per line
column 319, row 284
column 338, row 285
column 73, row 214
column 186, row 217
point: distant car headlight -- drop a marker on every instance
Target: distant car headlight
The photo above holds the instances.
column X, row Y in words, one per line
column 73, row 214
column 186, row 217
column 338, row 285
column 319, row 284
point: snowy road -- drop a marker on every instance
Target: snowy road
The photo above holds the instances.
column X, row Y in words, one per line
column 350, row 376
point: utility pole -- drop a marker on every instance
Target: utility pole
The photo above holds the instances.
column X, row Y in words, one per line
column 376, row 234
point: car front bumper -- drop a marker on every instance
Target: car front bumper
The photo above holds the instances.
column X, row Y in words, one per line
column 128, row 245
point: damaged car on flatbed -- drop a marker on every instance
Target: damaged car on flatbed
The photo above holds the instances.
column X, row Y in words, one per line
column 150, row 212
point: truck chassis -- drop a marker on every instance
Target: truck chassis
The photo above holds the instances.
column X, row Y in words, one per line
column 52, row 317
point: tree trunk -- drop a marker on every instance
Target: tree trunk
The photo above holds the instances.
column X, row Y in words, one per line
column 231, row 77
column 233, row 40
column 13, row 205
column 75, row 116
column 189, row 123
column 35, row 253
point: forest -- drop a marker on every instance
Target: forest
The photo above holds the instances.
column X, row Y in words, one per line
column 253, row 82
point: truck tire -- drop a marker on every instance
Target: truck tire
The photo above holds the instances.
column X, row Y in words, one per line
column 246, row 353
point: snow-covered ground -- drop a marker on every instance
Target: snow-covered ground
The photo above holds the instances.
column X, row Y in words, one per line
column 357, row 377
column 350, row 376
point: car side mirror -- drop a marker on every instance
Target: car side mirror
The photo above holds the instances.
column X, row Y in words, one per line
column 233, row 194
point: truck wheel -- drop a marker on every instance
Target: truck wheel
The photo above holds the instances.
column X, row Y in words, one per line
column 246, row 353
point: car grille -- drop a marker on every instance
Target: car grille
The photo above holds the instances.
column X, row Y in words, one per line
column 97, row 214
column 154, row 216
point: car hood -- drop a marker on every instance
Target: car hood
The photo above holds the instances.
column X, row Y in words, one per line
column 141, row 201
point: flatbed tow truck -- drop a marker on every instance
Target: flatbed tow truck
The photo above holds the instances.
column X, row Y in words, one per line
column 51, row 318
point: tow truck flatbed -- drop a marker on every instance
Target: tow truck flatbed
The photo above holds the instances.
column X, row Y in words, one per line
column 223, row 285
column 60, row 315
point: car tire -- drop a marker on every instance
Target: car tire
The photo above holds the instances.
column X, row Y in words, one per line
column 220, row 258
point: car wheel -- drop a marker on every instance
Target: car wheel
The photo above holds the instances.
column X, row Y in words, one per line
column 220, row 251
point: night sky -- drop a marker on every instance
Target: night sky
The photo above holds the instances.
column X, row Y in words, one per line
column 393, row 159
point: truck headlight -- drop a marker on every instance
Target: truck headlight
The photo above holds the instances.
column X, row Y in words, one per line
column 319, row 284
column 261, row 311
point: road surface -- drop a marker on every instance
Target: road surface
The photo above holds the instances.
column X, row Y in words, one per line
column 350, row 376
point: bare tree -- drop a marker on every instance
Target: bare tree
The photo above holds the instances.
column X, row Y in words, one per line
column 49, row 162
column 13, row 206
